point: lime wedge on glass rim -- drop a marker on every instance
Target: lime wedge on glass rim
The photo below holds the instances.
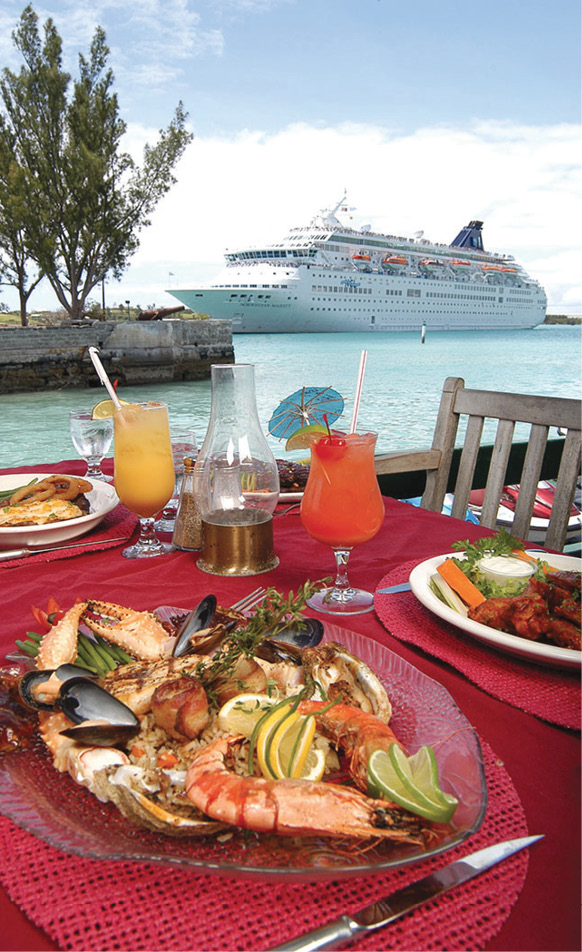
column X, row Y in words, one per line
column 300, row 439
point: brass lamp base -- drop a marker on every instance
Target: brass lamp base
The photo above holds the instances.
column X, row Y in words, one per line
column 231, row 549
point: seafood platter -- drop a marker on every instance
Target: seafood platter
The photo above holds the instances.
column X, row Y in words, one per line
column 539, row 622
column 234, row 742
column 49, row 508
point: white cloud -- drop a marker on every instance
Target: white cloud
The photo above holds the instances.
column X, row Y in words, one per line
column 522, row 181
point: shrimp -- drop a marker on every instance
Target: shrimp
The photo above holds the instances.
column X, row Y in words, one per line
column 290, row 807
column 357, row 733
column 59, row 645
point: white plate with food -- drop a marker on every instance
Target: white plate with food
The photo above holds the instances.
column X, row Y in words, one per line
column 536, row 651
column 290, row 497
column 101, row 498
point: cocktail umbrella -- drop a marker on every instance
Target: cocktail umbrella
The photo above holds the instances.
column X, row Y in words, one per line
column 303, row 407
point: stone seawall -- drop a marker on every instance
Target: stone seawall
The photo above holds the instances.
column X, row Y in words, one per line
column 53, row 358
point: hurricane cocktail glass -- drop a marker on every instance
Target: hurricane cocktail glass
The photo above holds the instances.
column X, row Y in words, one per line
column 144, row 470
column 342, row 506
column 92, row 439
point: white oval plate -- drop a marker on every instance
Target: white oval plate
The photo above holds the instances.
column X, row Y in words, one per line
column 102, row 500
column 551, row 655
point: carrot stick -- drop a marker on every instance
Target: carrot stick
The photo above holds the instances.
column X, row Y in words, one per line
column 521, row 554
column 459, row 582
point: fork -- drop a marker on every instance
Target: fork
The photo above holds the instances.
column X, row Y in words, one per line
column 249, row 601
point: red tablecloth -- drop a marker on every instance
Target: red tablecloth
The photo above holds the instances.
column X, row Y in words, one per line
column 541, row 759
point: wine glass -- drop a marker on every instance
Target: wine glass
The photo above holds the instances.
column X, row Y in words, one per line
column 92, row 439
column 342, row 506
column 183, row 445
column 144, row 470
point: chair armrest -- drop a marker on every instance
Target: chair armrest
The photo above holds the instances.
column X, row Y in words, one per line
column 407, row 462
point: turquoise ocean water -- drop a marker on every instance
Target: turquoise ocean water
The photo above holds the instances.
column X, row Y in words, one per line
column 402, row 385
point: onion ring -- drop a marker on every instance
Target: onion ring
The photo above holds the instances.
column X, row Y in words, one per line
column 37, row 493
column 66, row 487
column 84, row 485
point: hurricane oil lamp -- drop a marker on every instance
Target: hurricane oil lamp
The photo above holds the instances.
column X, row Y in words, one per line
column 236, row 481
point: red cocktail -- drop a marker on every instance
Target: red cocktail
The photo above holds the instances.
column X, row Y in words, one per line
column 342, row 506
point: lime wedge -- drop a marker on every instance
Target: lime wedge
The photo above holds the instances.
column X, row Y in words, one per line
column 419, row 775
column 384, row 780
column 301, row 438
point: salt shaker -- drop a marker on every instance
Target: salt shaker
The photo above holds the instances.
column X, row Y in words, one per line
column 188, row 526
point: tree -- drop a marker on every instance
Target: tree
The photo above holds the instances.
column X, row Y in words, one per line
column 14, row 261
column 86, row 199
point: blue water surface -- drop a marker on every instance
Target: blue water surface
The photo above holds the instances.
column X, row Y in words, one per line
column 400, row 398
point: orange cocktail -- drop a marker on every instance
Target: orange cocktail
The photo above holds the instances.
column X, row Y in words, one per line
column 144, row 468
column 342, row 506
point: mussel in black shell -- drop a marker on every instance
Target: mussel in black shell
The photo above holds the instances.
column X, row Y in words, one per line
column 197, row 620
column 101, row 720
column 30, row 684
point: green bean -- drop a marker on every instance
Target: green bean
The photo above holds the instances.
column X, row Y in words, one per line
column 35, row 636
column 83, row 653
column 95, row 657
column 28, row 647
column 114, row 651
column 7, row 493
column 86, row 666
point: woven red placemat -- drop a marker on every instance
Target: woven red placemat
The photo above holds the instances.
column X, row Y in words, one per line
column 552, row 694
column 93, row 904
column 117, row 527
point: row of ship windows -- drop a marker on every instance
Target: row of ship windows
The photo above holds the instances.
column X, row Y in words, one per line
column 353, row 310
column 461, row 297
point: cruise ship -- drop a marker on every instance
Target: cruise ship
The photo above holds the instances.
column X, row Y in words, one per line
column 326, row 277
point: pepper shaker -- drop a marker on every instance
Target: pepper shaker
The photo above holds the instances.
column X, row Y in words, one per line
column 188, row 527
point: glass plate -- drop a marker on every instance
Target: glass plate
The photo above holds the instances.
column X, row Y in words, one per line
column 536, row 651
column 56, row 809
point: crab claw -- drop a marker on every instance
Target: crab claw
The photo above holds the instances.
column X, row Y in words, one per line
column 139, row 633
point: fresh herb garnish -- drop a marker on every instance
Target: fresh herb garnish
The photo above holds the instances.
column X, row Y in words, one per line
column 503, row 543
column 272, row 616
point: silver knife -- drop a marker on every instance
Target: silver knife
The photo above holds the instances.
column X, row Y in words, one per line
column 22, row 553
column 387, row 910
column 403, row 587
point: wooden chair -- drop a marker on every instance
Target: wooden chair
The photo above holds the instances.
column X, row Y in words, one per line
column 508, row 409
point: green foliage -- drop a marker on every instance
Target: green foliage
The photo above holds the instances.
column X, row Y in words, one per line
column 78, row 201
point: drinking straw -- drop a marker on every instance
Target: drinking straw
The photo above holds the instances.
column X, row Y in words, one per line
column 363, row 359
column 102, row 374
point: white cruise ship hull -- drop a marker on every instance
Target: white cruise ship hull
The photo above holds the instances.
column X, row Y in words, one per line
column 373, row 303
column 329, row 278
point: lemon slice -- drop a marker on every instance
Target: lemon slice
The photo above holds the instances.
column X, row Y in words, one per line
column 240, row 714
column 291, row 745
column 265, row 737
column 105, row 408
column 385, row 780
column 301, row 439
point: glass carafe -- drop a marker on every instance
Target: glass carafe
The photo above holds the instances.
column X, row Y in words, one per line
column 236, row 481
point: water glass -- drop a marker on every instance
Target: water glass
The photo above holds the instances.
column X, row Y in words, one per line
column 92, row 440
column 183, row 445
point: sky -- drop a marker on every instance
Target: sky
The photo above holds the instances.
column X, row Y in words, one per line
column 428, row 114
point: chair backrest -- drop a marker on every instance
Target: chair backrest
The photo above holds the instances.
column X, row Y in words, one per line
column 508, row 409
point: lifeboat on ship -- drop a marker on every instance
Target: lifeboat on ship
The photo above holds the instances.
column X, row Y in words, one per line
column 363, row 262
column 510, row 275
column 431, row 266
column 460, row 267
column 394, row 263
column 493, row 272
